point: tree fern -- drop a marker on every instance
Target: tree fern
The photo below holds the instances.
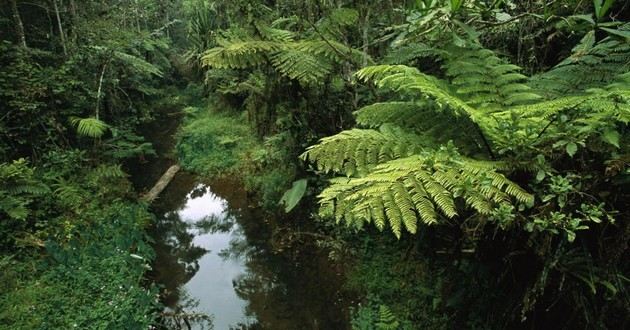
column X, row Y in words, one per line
column 485, row 80
column 591, row 64
column 307, row 60
column 396, row 180
column 424, row 186
column 356, row 152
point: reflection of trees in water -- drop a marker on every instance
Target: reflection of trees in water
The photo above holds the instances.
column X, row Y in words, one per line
column 177, row 257
column 285, row 287
column 289, row 288
column 176, row 263
column 184, row 317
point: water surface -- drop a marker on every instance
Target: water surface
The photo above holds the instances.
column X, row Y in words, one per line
column 218, row 254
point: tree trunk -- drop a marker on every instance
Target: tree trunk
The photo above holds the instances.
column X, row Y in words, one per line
column 366, row 36
column 61, row 34
column 19, row 27
column 72, row 34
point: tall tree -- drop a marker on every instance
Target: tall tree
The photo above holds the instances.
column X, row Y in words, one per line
column 60, row 26
column 19, row 27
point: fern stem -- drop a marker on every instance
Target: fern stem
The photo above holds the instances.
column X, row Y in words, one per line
column 485, row 142
column 348, row 58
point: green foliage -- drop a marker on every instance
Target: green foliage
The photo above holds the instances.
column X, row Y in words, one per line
column 68, row 225
column 591, row 64
column 399, row 192
column 367, row 319
column 90, row 127
column 292, row 197
column 20, row 187
column 93, row 282
column 306, row 61
column 215, row 144
column 487, row 92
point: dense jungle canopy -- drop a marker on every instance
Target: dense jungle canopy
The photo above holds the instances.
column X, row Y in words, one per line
column 460, row 164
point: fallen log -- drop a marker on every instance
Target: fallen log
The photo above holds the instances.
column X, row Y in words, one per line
column 159, row 186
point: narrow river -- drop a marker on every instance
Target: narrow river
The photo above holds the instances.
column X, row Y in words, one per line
column 220, row 255
column 216, row 254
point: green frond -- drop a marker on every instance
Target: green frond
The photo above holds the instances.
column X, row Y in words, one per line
column 386, row 319
column 590, row 64
column 355, row 152
column 90, row 127
column 485, row 80
column 273, row 34
column 423, row 186
column 333, row 24
column 408, row 53
column 332, row 50
column 300, row 66
column 306, row 61
column 138, row 64
column 401, row 114
column 238, row 54
column 409, row 80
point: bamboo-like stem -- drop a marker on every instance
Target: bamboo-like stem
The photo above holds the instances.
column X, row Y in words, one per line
column 19, row 27
column 60, row 26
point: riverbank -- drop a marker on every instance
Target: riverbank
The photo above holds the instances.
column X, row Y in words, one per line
column 217, row 245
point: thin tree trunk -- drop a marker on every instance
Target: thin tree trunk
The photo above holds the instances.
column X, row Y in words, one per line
column 74, row 19
column 73, row 10
column 19, row 27
column 59, row 25
column 366, row 37
column 100, row 88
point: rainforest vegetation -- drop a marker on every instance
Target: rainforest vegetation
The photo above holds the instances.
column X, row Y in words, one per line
column 464, row 164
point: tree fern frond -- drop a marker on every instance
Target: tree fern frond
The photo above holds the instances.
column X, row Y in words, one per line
column 406, row 54
column 273, row 34
column 411, row 81
column 485, row 80
column 339, row 18
column 355, row 152
column 238, row 54
column 138, row 64
column 427, row 184
column 401, row 114
column 590, row 64
column 332, row 50
column 300, row 66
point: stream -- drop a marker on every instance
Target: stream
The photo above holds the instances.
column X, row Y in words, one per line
column 218, row 254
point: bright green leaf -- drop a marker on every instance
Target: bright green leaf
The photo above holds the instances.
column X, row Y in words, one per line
column 293, row 196
column 571, row 148
column 611, row 136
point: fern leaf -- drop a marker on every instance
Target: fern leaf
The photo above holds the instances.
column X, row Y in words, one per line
column 426, row 184
column 362, row 148
column 90, row 127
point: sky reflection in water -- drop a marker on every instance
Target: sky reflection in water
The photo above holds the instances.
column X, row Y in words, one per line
column 212, row 284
